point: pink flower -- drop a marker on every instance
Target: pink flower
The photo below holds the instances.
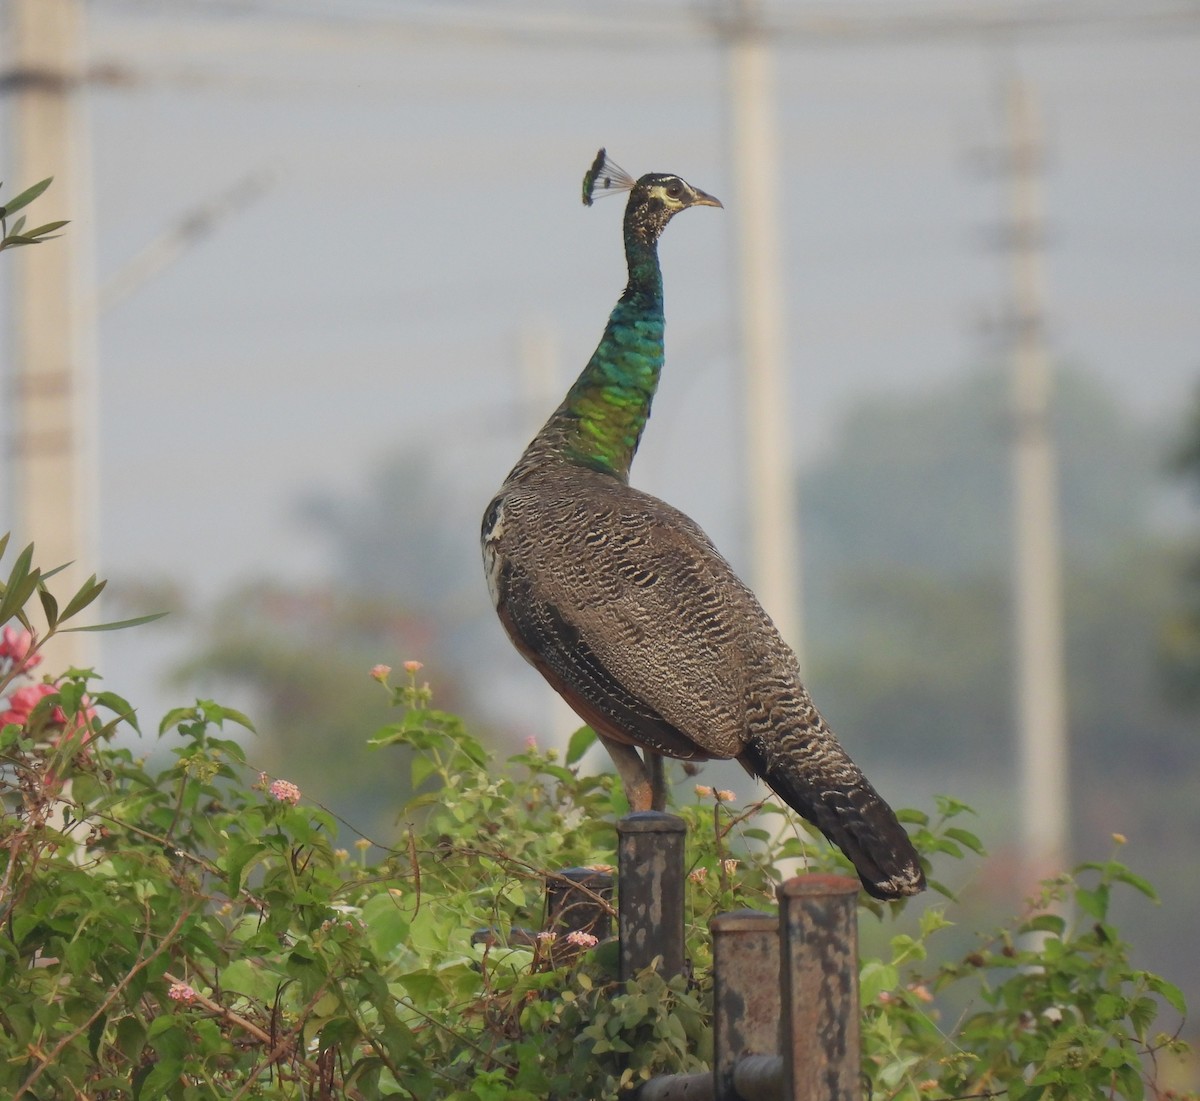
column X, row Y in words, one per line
column 531, row 744
column 181, row 992
column 545, row 937
column 412, row 667
column 24, row 700
column 15, row 646
column 582, row 940
column 729, row 865
column 698, row 875
column 285, row 791
column 704, row 791
column 380, row 672
column 725, row 796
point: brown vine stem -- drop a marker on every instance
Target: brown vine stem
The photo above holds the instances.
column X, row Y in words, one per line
column 141, row 965
column 225, row 1012
column 292, row 1040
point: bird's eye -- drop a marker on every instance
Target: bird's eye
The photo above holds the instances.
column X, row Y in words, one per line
column 675, row 190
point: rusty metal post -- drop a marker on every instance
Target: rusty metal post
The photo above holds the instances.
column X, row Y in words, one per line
column 746, row 999
column 650, row 894
column 818, row 956
column 578, row 900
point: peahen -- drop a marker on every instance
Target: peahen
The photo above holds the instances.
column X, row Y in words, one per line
column 629, row 611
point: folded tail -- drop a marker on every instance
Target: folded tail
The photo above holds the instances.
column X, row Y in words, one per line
column 828, row 790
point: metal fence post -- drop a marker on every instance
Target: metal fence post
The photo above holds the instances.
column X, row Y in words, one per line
column 650, row 891
column 578, row 900
column 746, row 999
column 819, row 979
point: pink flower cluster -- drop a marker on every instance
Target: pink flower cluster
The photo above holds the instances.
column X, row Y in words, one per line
column 181, row 992
column 24, row 700
column 15, row 647
column 285, row 791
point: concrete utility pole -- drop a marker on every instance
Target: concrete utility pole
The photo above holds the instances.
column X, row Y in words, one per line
column 1041, row 694
column 770, row 490
column 52, row 392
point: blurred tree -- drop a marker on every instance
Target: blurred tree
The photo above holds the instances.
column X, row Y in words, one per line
column 908, row 546
column 1181, row 641
column 923, row 481
column 301, row 654
column 302, row 658
column 907, row 540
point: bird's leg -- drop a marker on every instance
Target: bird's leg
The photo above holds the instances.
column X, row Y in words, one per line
column 656, row 766
column 635, row 777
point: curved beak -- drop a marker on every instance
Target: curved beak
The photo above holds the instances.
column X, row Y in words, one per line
column 703, row 198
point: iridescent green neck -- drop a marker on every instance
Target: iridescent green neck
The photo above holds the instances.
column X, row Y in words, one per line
column 600, row 422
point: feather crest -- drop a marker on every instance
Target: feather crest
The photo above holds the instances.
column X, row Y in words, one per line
column 605, row 177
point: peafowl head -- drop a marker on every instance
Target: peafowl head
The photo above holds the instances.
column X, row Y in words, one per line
column 654, row 199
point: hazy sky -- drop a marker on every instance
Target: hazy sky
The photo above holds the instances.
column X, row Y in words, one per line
column 424, row 216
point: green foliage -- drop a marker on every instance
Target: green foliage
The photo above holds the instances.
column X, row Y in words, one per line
column 19, row 235
column 297, row 658
column 193, row 930
column 1057, row 1012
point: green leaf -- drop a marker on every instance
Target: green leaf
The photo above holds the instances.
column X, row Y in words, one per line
column 581, row 741
column 1124, row 875
column 41, row 231
column 1141, row 1015
column 1047, row 923
column 25, row 197
column 932, row 920
column 874, row 978
column 965, row 837
column 131, row 1037
column 1169, row 992
column 1109, row 1007
column 1095, row 902
column 163, row 1075
column 235, row 863
column 21, row 583
column 177, row 716
column 252, row 980
column 96, row 1034
column 218, row 713
column 119, row 624
column 88, row 592
column 422, row 986
column 387, row 923
column 47, row 574
column 118, row 705
column 49, row 606
column 422, row 768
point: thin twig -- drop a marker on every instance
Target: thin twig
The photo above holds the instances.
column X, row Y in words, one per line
column 223, row 1011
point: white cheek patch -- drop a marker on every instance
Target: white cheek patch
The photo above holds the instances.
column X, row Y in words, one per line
column 491, row 553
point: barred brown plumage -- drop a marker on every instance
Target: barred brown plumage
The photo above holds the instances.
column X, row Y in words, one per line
column 629, row 611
